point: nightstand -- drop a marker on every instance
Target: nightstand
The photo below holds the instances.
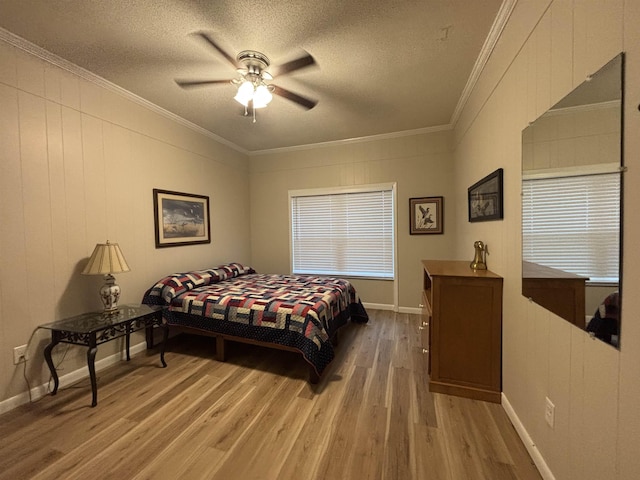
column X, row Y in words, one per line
column 95, row 328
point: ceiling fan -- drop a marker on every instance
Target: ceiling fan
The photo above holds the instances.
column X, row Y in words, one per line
column 254, row 91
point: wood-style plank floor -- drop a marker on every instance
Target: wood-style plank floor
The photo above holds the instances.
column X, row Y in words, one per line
column 256, row 417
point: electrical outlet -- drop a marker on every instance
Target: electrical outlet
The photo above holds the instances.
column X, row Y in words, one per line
column 19, row 354
column 549, row 411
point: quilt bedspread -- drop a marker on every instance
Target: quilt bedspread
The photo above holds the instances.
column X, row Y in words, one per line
column 298, row 311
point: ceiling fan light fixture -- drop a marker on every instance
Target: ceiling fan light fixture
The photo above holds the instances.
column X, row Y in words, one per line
column 253, row 89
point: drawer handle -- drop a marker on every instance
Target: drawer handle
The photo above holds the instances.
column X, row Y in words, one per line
column 424, row 350
column 420, row 327
column 421, row 305
column 425, row 324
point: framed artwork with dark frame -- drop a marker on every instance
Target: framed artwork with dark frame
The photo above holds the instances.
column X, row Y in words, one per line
column 180, row 218
column 485, row 198
column 426, row 215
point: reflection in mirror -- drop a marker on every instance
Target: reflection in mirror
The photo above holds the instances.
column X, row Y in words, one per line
column 571, row 198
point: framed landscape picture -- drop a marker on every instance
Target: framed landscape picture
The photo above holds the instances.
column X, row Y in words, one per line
column 180, row 218
column 485, row 198
column 426, row 215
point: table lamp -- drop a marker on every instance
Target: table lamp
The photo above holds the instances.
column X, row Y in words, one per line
column 107, row 259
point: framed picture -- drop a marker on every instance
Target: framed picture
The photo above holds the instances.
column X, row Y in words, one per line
column 180, row 218
column 426, row 215
column 485, row 198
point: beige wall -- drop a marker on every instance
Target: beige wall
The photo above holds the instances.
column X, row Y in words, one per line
column 421, row 165
column 78, row 165
column 546, row 49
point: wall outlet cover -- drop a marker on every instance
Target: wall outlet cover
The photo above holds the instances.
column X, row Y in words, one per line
column 19, row 354
column 549, row 412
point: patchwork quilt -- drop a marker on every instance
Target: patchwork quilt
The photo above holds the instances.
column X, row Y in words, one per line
column 298, row 311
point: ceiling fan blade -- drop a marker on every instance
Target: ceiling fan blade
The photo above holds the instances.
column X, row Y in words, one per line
column 297, row 64
column 207, row 38
column 294, row 97
column 199, row 83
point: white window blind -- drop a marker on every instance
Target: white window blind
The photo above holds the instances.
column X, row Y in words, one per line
column 573, row 224
column 347, row 234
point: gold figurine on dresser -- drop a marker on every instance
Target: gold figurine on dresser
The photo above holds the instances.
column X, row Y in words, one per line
column 461, row 327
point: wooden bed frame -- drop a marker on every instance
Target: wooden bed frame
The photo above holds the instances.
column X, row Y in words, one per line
column 221, row 338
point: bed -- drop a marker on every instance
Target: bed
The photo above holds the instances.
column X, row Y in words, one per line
column 605, row 323
column 300, row 313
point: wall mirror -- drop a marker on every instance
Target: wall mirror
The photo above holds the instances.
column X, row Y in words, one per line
column 571, row 205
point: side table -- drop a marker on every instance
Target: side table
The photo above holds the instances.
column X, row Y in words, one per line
column 95, row 328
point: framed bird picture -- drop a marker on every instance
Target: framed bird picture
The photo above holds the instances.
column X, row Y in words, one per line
column 485, row 198
column 426, row 215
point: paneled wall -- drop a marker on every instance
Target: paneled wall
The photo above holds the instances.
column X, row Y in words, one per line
column 548, row 48
column 421, row 166
column 78, row 165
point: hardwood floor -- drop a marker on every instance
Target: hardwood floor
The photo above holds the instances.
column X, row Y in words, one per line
column 256, row 417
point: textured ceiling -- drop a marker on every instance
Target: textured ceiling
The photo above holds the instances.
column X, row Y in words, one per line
column 383, row 66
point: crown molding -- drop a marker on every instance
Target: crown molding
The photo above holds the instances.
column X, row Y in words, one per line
column 74, row 69
column 487, row 49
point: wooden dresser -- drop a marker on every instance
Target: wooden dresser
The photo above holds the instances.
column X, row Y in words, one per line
column 461, row 329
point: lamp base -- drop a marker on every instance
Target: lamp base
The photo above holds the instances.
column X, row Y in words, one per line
column 110, row 293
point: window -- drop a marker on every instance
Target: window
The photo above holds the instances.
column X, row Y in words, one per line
column 573, row 224
column 345, row 232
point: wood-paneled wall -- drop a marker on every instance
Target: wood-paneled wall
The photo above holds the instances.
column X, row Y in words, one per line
column 79, row 161
column 546, row 49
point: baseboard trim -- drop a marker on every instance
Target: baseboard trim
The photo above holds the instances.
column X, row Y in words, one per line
column 72, row 377
column 392, row 308
column 379, row 306
column 414, row 310
column 531, row 447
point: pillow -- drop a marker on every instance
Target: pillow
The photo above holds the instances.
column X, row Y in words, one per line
column 166, row 289
column 234, row 270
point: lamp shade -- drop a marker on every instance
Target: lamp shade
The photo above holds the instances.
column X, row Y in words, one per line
column 107, row 258
column 245, row 93
column 261, row 97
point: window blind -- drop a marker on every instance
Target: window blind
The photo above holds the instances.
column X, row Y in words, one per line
column 573, row 224
column 347, row 234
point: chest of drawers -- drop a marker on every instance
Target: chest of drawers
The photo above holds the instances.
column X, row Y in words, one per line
column 461, row 329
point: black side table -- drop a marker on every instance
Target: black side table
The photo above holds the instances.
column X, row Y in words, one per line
column 95, row 328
